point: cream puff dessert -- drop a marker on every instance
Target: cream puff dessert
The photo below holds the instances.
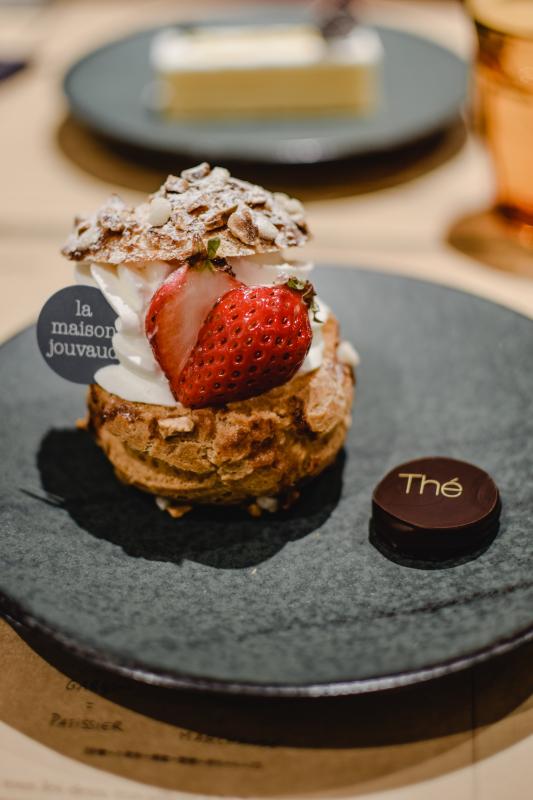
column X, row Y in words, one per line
column 232, row 386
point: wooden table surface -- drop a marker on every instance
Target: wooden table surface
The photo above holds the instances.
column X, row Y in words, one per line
column 422, row 213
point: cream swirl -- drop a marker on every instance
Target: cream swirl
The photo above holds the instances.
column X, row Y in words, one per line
column 128, row 290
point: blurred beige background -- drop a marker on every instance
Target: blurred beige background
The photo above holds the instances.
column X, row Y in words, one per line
column 51, row 168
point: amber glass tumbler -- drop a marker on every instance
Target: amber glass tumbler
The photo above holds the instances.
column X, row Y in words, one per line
column 504, row 98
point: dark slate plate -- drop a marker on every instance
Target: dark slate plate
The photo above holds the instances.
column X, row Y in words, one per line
column 424, row 88
column 295, row 604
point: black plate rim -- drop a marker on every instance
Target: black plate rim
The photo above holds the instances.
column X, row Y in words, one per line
column 108, row 130
column 15, row 613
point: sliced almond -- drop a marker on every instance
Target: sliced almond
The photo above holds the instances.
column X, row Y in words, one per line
column 171, row 426
column 270, row 504
column 219, row 174
column 267, row 229
column 241, row 224
column 176, row 185
column 291, row 205
column 217, row 217
column 112, row 216
column 178, row 511
column 197, row 172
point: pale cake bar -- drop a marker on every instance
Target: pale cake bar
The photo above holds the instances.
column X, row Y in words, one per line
column 266, row 71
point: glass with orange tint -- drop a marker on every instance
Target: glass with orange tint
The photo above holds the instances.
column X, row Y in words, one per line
column 504, row 103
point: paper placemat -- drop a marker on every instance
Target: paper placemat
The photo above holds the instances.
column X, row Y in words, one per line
column 82, row 723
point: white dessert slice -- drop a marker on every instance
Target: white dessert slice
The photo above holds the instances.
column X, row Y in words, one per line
column 262, row 71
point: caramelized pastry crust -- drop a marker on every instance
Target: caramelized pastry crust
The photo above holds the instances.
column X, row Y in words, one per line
column 257, row 448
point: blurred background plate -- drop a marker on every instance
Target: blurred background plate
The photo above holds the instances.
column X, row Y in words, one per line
column 297, row 603
column 424, row 87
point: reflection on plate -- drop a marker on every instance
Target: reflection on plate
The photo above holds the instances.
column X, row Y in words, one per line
column 424, row 88
column 287, row 604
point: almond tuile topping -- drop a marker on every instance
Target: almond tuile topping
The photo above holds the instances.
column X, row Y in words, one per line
column 177, row 221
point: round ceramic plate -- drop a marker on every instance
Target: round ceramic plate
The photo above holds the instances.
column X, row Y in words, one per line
column 292, row 603
column 424, row 87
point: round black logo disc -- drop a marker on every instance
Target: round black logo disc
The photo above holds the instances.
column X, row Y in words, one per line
column 435, row 507
column 74, row 332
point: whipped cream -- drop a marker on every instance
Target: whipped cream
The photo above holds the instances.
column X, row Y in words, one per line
column 128, row 290
column 138, row 377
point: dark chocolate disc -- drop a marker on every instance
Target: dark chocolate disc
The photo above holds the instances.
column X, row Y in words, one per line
column 435, row 508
